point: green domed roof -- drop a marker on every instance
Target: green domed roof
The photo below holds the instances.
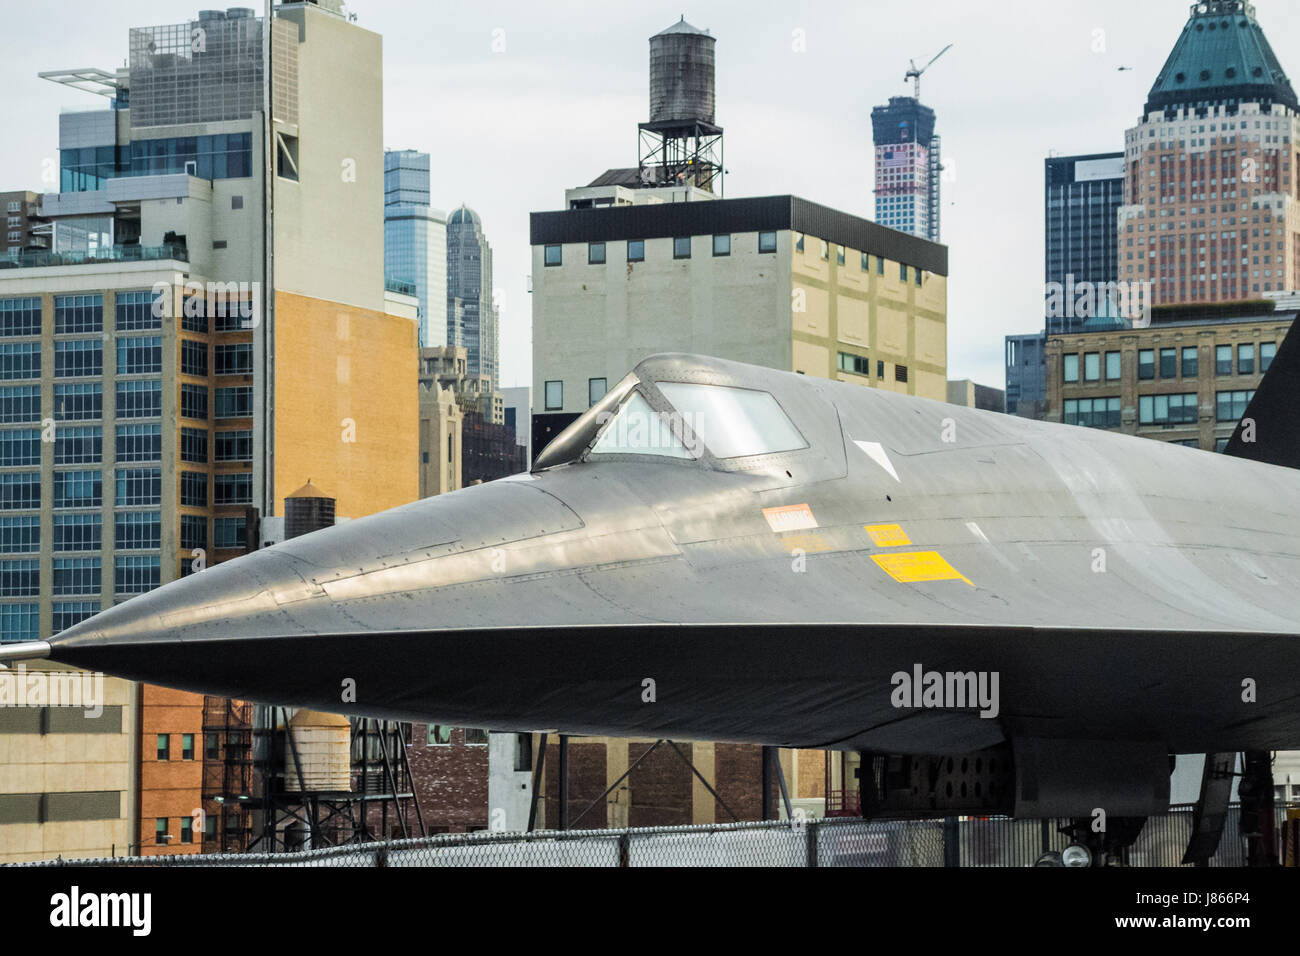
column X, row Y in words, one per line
column 1221, row 55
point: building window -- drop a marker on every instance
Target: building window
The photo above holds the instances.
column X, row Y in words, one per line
column 722, row 245
column 438, row 736
column 682, row 247
column 234, row 402
column 1147, row 364
column 164, row 747
column 79, row 358
column 880, row 266
column 554, row 255
column 78, row 445
column 1191, row 362
column 78, row 489
column 194, row 402
column 857, row 364
column 71, row 613
column 138, row 486
column 636, row 250
column 798, row 242
column 1114, row 365
column 194, row 446
column 20, row 317
column 139, row 356
column 1168, row 363
column 1246, row 359
column 234, row 446
column 1092, row 367
column 136, row 312
column 900, row 373
column 139, row 398
column 20, row 404
column 228, row 533
column 554, row 396
column 76, row 576
column 475, row 737
column 22, row 359
column 194, row 532
column 78, row 532
column 1070, row 369
column 839, row 255
column 194, row 489
column 82, row 402
column 160, row 836
column 595, row 253
column 20, row 578
column 136, row 573
column 767, row 242
column 596, row 389
column 1093, row 412
column 902, row 271
column 232, row 489
column 211, row 746
column 1223, row 360
column 137, row 530
column 20, row 535
column 78, row 313
column 20, row 447
column 20, row 491
column 1267, row 352
column 825, row 250
column 139, row 443
column 20, row 622
column 187, row 752
column 187, row 824
column 880, row 370
column 234, row 359
column 194, row 358
column 1168, row 410
column 1231, row 406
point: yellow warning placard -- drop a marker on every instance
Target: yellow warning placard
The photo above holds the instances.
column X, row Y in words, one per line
column 915, row 567
column 807, row 543
column 888, row 535
column 790, row 518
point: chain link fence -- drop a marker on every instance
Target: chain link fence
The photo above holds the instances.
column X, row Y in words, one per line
column 964, row 842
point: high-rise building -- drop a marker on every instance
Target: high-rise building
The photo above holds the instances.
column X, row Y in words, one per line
column 1081, row 205
column 1210, row 211
column 415, row 239
column 908, row 167
column 472, row 319
column 1082, row 198
column 209, row 329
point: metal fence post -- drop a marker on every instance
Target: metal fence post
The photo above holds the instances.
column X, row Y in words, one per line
column 811, row 839
column 624, row 849
column 951, row 842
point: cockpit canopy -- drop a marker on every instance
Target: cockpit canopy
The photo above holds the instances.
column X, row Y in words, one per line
column 650, row 414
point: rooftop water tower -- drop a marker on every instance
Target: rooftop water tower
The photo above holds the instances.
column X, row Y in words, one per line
column 681, row 144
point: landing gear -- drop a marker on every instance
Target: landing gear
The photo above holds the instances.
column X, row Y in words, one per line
column 1088, row 847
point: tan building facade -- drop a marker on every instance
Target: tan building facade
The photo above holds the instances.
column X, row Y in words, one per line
column 773, row 281
column 1182, row 381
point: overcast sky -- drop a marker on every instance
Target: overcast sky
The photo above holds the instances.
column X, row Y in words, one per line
column 509, row 131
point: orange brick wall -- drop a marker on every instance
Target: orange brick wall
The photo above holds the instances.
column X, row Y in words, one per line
column 169, row 788
column 340, row 363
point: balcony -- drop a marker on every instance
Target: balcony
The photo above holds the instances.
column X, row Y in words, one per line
column 400, row 286
column 29, row 259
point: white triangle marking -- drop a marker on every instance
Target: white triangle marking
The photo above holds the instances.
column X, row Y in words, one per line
column 876, row 452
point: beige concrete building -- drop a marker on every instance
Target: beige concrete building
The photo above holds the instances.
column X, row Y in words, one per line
column 26, row 227
column 440, row 440
column 69, row 773
column 775, row 281
column 1187, row 379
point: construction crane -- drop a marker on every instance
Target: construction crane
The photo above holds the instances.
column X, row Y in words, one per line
column 915, row 75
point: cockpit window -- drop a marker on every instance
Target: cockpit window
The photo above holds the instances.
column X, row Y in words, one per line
column 733, row 422
column 637, row 429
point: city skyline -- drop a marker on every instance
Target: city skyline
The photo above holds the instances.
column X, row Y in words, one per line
column 1022, row 82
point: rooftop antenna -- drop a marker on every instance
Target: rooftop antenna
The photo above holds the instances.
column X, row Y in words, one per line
column 914, row 74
